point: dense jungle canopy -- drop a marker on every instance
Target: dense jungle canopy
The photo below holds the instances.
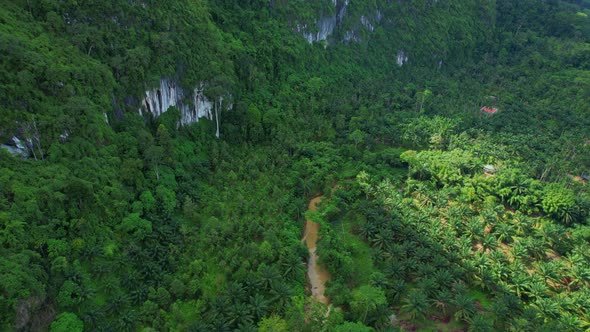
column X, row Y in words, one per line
column 158, row 159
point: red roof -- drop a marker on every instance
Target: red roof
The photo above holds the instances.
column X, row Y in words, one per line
column 488, row 110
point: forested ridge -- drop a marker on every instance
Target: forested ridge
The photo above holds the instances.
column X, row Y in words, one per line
column 438, row 214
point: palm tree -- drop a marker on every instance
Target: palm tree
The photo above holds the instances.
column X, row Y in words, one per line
column 110, row 285
column 440, row 261
column 268, row 275
column 537, row 289
column 221, row 324
column 131, row 280
column 569, row 323
column 480, row 261
column 456, row 224
column 126, row 321
column 245, row 327
column 569, row 214
column 518, row 250
column 236, row 291
column 574, row 267
column 239, row 312
column 368, row 230
column 496, row 256
column 252, row 282
column 292, row 265
column 281, row 294
column 489, row 242
column 546, row 270
column 422, row 195
column 380, row 240
column 456, row 211
column 101, row 268
column 424, row 269
column 201, row 326
column 93, row 317
column 443, row 278
column 378, row 280
column 494, row 214
column 565, row 302
column 306, row 184
column 582, row 301
column 423, row 254
column 502, row 309
column 547, row 309
column 428, row 286
column 397, row 290
column 106, row 327
column 504, row 232
column 485, row 279
column 465, row 307
column 258, row 305
column 396, row 270
column 139, row 295
column 415, row 305
column 443, row 300
column 464, row 246
column 548, row 231
column 500, row 271
column 520, row 284
column 573, row 259
column 475, row 228
column 90, row 252
column 535, row 247
column 580, row 275
column 582, row 249
column 522, row 223
column 480, row 323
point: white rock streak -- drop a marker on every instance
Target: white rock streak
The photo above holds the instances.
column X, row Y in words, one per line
column 159, row 100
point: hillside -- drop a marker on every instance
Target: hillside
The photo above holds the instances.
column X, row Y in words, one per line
column 158, row 159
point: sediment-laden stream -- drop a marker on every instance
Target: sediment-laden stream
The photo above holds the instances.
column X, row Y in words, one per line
column 316, row 274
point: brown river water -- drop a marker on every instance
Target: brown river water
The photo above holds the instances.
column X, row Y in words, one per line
column 316, row 274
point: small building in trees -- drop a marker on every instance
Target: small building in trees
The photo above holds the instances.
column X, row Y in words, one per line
column 488, row 110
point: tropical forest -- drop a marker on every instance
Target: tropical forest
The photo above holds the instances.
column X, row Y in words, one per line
column 295, row 165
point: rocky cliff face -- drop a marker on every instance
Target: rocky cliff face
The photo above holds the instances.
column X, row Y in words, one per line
column 367, row 22
column 402, row 58
column 17, row 148
column 324, row 27
column 192, row 105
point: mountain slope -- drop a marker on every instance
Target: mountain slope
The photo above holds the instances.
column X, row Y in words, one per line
column 128, row 214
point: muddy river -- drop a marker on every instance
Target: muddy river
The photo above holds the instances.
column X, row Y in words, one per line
column 316, row 274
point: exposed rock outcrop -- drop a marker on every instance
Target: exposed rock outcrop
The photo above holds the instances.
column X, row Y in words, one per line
column 324, row 27
column 192, row 107
column 17, row 148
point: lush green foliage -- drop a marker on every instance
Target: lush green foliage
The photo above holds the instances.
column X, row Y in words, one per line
column 123, row 222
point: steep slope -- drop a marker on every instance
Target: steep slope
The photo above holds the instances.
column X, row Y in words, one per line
column 172, row 147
